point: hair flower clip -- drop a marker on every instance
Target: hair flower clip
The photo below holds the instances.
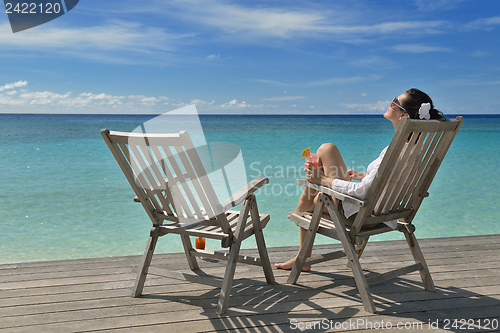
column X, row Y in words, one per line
column 424, row 111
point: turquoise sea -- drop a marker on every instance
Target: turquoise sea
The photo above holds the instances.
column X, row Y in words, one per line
column 63, row 196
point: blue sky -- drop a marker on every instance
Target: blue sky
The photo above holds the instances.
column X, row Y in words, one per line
column 226, row 56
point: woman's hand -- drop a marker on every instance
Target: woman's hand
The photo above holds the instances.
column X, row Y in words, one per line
column 355, row 175
column 314, row 175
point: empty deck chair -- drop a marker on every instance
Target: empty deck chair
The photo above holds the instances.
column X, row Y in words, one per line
column 171, row 183
column 403, row 178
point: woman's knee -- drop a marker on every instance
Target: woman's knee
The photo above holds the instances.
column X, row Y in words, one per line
column 327, row 148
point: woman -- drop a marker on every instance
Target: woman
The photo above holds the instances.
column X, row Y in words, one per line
column 333, row 173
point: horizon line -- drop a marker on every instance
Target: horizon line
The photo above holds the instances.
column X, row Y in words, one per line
column 235, row 114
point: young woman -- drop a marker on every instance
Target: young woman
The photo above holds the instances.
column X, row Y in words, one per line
column 332, row 171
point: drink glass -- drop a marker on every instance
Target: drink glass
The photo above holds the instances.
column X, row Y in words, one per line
column 200, row 243
column 313, row 159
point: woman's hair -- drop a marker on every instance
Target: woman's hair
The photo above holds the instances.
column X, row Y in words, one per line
column 414, row 100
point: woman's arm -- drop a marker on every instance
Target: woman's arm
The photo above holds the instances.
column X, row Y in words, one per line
column 317, row 176
column 357, row 189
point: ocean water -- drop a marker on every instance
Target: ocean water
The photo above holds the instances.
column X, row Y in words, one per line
column 63, row 195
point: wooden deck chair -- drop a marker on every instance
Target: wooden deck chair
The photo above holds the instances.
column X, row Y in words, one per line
column 403, row 178
column 171, row 183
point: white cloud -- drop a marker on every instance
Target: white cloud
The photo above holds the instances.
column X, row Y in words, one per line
column 276, row 83
column 472, row 81
column 432, row 5
column 418, row 48
column 114, row 42
column 329, row 81
column 116, row 35
column 234, row 103
column 343, row 80
column 45, row 97
column 91, row 96
column 257, row 23
column 36, row 101
column 409, row 27
column 232, row 106
column 6, row 100
column 374, row 107
column 484, row 23
column 283, row 98
column 213, row 57
column 130, row 42
column 17, row 84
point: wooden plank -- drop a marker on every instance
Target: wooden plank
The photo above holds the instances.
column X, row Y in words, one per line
column 225, row 255
column 474, row 277
column 314, row 290
column 73, row 299
column 324, row 257
column 57, row 269
column 392, row 274
column 95, row 285
column 123, row 137
column 140, row 316
column 197, row 276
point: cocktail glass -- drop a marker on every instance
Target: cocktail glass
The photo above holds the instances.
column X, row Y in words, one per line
column 313, row 159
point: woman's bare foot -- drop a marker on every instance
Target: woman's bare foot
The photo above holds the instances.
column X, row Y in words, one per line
column 288, row 265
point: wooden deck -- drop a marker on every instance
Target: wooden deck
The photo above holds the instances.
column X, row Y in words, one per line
column 94, row 294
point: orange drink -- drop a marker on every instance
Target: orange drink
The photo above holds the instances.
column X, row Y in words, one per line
column 200, row 243
column 313, row 159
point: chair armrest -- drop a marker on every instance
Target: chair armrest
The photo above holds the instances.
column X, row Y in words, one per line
column 243, row 193
column 333, row 193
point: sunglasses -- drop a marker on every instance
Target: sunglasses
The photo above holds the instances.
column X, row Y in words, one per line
column 394, row 103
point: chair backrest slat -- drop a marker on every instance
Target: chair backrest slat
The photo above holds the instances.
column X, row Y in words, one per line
column 431, row 169
column 198, row 167
column 149, row 177
column 194, row 180
column 184, row 181
column 167, row 175
column 409, row 166
column 122, row 157
column 426, row 154
column 411, row 173
column 397, row 175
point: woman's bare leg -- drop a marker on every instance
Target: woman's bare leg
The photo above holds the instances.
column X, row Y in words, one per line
column 332, row 164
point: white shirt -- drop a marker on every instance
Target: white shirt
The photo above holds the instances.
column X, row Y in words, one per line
column 359, row 189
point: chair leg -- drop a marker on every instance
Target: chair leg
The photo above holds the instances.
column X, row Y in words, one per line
column 419, row 258
column 188, row 246
column 308, row 241
column 145, row 262
column 227, row 283
column 352, row 256
column 261, row 243
column 360, row 249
